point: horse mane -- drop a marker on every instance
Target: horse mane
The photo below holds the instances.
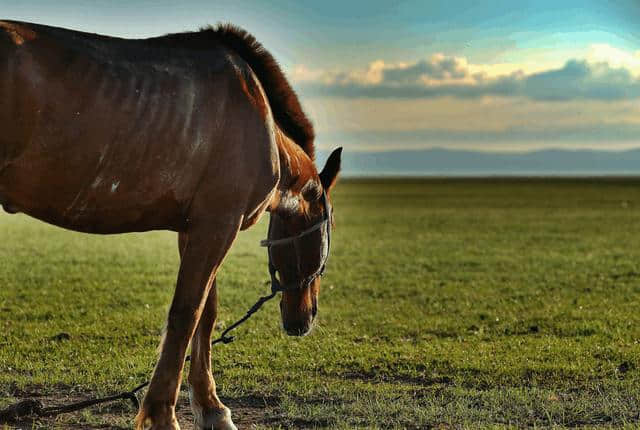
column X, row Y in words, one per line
column 285, row 106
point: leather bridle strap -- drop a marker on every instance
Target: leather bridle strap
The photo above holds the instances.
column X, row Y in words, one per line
column 270, row 242
column 276, row 286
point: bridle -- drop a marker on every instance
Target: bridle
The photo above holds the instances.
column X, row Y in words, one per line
column 276, row 286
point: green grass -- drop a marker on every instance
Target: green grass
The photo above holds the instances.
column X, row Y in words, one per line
column 460, row 303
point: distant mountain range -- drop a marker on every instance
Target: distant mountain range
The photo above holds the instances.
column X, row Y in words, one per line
column 444, row 162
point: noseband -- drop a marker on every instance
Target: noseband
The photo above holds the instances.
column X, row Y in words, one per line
column 268, row 243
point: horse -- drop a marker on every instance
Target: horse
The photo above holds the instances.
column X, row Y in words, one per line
column 198, row 133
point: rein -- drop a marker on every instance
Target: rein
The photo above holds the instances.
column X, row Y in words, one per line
column 30, row 407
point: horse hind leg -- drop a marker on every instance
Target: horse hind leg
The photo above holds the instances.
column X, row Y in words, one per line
column 209, row 412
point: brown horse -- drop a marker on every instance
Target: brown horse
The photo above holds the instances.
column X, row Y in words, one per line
column 197, row 133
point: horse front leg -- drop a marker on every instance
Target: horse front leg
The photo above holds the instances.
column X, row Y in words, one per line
column 209, row 412
column 203, row 251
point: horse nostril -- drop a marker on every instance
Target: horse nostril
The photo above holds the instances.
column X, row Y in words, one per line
column 296, row 329
column 314, row 309
column 296, row 332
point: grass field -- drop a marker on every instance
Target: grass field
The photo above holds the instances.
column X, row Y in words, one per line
column 447, row 303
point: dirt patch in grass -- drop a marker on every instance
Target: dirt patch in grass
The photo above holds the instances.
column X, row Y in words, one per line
column 247, row 411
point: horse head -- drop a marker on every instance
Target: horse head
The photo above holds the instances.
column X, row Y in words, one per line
column 299, row 242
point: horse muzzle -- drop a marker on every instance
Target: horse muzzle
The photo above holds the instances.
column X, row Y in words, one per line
column 298, row 322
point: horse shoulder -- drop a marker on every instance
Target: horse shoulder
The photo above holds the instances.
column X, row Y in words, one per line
column 265, row 166
column 246, row 172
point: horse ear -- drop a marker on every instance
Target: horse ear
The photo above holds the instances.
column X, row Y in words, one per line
column 330, row 171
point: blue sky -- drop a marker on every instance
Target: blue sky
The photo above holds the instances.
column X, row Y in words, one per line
column 380, row 75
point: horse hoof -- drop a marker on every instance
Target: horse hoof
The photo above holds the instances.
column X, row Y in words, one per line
column 169, row 426
column 215, row 420
column 144, row 422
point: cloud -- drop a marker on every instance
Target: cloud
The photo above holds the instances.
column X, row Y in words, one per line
column 442, row 76
column 580, row 80
column 438, row 68
column 615, row 57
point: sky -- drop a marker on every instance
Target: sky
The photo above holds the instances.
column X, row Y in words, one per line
column 497, row 75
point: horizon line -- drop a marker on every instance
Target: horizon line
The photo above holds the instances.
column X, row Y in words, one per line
column 490, row 151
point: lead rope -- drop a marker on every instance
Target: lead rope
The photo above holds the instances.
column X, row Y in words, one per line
column 33, row 407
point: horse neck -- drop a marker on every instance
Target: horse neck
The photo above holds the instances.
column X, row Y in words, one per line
column 296, row 171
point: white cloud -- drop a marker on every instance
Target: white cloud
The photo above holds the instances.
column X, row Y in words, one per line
column 441, row 76
column 615, row 57
column 447, row 101
column 439, row 69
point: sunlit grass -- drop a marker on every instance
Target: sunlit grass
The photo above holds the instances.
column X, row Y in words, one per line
column 445, row 302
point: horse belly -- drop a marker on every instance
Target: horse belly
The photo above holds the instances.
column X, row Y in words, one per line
column 101, row 205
